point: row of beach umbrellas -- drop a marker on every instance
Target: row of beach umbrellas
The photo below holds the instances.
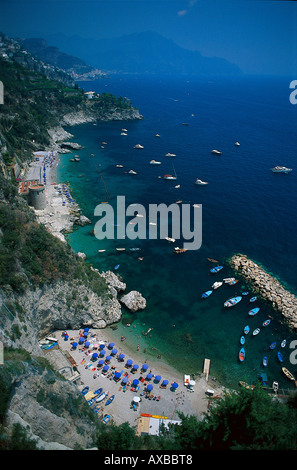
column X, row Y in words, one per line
column 129, row 362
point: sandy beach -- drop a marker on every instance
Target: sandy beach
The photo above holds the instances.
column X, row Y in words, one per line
column 161, row 401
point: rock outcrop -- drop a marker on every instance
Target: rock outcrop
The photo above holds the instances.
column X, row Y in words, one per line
column 134, row 301
column 268, row 287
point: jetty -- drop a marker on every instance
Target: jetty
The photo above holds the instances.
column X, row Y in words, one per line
column 267, row 286
column 206, row 368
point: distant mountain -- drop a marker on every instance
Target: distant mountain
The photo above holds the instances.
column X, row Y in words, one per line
column 146, row 52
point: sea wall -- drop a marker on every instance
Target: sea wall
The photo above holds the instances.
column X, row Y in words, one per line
column 267, row 286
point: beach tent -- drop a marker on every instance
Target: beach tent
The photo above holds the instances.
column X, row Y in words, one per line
column 111, row 345
column 121, row 357
column 157, row 378
column 113, row 352
column 144, row 367
column 149, row 387
column 129, row 362
column 164, row 383
column 149, row 376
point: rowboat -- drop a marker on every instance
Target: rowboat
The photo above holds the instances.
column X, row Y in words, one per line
column 283, row 343
column 254, row 311
column 256, row 331
column 247, row 386
column 244, row 293
column 280, row 357
column 117, row 266
column 109, row 400
column 206, row 294
column 241, row 355
column 97, row 392
column 179, row 250
column 265, row 361
column 246, row 329
column 266, row 322
column 216, row 269
column 288, row 373
column 101, row 397
column 216, row 285
column 227, row 280
column 242, row 340
column 232, row 283
column 272, row 346
column 253, row 299
column 85, row 390
column 232, row 302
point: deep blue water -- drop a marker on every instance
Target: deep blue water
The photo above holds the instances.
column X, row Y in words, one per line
column 246, row 208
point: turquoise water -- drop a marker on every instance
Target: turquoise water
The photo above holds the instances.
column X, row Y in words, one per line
column 246, row 208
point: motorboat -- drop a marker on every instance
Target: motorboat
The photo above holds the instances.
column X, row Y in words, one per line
column 119, row 166
column 198, row 181
column 154, row 162
column 170, row 177
column 227, row 280
column 272, row 346
column 237, row 144
column 206, row 294
column 242, row 340
column 216, row 152
column 138, row 146
column 101, row 397
column 288, row 373
column 120, row 249
column 179, row 250
column 283, row 343
column 132, row 172
column 281, row 169
column 216, row 285
column 170, row 154
column 275, row 386
column 172, row 240
column 232, row 302
column 265, row 361
column 216, row 269
column 256, row 331
column 253, row 299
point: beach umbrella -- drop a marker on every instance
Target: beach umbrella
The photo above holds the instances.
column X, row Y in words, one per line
column 129, row 362
column 149, row 376
column 136, row 399
column 105, row 367
column 102, row 346
column 135, row 366
column 94, row 356
column 111, row 345
column 100, row 363
column 135, row 382
column 164, row 383
column 114, row 351
column 117, row 375
column 102, row 352
column 174, row 385
column 95, row 346
column 125, row 380
column 81, row 340
column 87, row 344
column 86, row 333
column 121, row 357
column 108, row 358
column 149, row 387
column 74, row 345
column 144, row 367
column 157, row 378
column 86, row 329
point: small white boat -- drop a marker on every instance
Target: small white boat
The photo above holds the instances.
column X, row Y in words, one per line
column 256, row 331
column 170, row 177
column 101, row 251
column 125, row 130
column 170, row 154
column 172, row 240
column 120, row 249
column 196, row 205
column 124, row 133
column 200, row 182
column 281, row 169
column 216, row 285
column 237, row 144
column 227, row 280
column 138, row 146
column 132, row 172
column 158, row 135
column 154, row 162
column 152, row 223
column 216, row 152
column 177, row 186
column 119, row 166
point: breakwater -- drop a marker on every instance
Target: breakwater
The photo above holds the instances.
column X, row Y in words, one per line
column 267, row 286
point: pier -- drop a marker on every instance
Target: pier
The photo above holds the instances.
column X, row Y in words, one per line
column 206, row 368
column 267, row 286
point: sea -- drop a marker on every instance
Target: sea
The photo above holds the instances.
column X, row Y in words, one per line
column 246, row 208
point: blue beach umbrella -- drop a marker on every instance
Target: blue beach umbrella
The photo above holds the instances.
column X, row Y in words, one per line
column 117, row 375
column 174, row 385
column 74, row 345
column 102, row 346
column 94, row 356
column 144, row 367
column 149, row 387
column 102, row 353
column 108, row 358
column 135, row 382
column 164, row 383
column 100, row 363
column 87, row 344
column 125, row 380
column 114, row 351
column 135, row 366
column 129, row 362
column 111, row 345
column 86, row 333
column 105, row 368
column 86, row 329
column 149, row 376
column 121, row 357
column 157, row 378
column 81, row 340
